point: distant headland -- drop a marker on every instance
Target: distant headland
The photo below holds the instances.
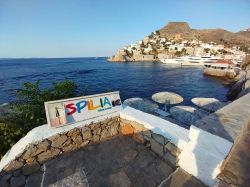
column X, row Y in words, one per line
column 178, row 39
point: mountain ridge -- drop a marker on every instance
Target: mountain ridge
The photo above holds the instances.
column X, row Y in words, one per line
column 218, row 35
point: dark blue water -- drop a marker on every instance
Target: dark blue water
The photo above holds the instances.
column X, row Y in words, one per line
column 131, row 79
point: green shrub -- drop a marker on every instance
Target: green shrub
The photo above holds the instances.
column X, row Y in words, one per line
column 9, row 135
column 28, row 111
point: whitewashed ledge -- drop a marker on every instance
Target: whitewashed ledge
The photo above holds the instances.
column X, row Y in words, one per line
column 42, row 132
column 204, row 154
column 175, row 133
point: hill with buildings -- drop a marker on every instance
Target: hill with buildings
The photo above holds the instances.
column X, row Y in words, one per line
column 219, row 36
column 178, row 39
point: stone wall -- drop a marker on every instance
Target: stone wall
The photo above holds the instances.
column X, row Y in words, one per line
column 18, row 171
column 219, row 73
column 157, row 143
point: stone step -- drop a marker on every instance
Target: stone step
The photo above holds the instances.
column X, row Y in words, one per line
column 180, row 178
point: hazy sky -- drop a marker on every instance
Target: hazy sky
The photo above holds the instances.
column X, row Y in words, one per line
column 78, row 28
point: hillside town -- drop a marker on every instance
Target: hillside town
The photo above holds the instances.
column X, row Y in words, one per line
column 155, row 47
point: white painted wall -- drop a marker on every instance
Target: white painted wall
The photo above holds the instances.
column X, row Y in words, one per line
column 203, row 155
column 175, row 133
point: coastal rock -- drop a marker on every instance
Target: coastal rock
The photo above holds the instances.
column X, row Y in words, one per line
column 117, row 58
column 219, row 73
column 236, row 89
column 208, row 104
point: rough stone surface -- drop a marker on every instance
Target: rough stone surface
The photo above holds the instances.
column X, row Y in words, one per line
column 119, row 179
column 172, row 149
column 70, row 147
column 30, row 168
column 105, row 134
column 31, row 151
column 229, row 120
column 159, row 138
column 236, row 168
column 147, row 133
column 42, row 147
column 139, row 138
column 127, row 130
column 34, row 180
column 180, row 178
column 120, row 161
column 60, row 157
column 13, row 165
column 4, row 183
column 17, row 181
column 156, row 147
column 130, row 155
column 86, row 133
column 58, row 140
column 170, row 158
column 48, row 155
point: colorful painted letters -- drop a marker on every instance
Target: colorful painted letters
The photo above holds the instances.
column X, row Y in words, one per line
column 104, row 103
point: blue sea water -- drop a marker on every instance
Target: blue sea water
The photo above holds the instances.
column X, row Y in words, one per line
column 139, row 79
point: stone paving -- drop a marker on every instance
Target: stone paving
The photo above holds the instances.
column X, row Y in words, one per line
column 117, row 162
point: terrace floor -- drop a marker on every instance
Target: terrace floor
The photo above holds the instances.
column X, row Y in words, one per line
column 117, row 162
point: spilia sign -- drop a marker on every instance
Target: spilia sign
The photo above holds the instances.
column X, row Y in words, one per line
column 68, row 111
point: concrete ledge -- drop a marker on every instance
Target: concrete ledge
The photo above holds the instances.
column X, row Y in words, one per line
column 229, row 120
column 174, row 133
column 204, row 154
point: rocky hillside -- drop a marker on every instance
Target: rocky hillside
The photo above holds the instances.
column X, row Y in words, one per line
column 245, row 33
column 220, row 36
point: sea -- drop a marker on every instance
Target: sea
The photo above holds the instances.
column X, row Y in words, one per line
column 132, row 79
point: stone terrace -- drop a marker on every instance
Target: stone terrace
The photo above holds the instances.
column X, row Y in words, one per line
column 112, row 152
column 120, row 161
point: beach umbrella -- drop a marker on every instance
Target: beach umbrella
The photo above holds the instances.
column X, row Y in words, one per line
column 187, row 114
column 144, row 105
column 209, row 104
column 167, row 98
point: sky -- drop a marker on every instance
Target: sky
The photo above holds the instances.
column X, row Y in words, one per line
column 86, row 28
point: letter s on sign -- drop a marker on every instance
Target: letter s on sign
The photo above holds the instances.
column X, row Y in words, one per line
column 71, row 108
